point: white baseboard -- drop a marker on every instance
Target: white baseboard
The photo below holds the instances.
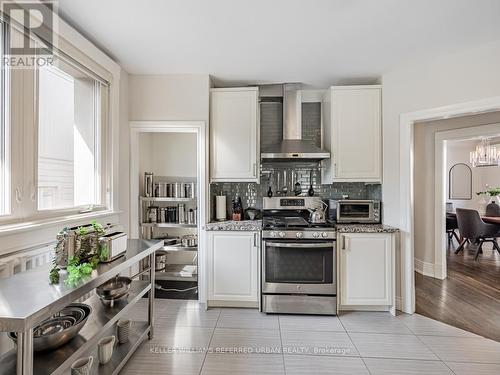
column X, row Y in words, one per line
column 424, row 268
column 220, row 303
column 398, row 303
column 430, row 269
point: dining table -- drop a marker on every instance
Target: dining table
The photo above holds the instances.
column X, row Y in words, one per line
column 491, row 219
column 486, row 219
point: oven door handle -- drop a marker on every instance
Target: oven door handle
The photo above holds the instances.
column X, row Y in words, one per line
column 301, row 245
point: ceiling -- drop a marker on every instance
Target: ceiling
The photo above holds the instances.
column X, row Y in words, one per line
column 317, row 42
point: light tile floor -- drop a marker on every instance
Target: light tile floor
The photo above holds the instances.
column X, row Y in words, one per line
column 189, row 340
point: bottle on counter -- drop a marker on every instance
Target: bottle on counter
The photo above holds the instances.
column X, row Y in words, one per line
column 237, row 209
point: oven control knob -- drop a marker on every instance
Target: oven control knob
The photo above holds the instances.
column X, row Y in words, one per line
column 281, row 234
column 315, row 234
column 273, row 234
column 299, row 234
column 324, row 234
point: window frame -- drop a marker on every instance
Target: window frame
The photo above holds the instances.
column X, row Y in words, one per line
column 5, row 138
column 23, row 145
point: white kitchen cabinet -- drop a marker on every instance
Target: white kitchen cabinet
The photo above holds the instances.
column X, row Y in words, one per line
column 234, row 134
column 233, row 268
column 367, row 271
column 352, row 133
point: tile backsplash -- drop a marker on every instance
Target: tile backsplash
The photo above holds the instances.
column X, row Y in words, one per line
column 284, row 174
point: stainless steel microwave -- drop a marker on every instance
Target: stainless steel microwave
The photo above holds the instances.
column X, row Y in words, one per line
column 355, row 211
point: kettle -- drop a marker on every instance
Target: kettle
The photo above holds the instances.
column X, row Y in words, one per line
column 318, row 215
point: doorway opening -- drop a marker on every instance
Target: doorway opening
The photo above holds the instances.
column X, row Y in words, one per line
column 455, row 288
column 168, row 201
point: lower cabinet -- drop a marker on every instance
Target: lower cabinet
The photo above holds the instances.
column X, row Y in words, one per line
column 233, row 268
column 367, row 271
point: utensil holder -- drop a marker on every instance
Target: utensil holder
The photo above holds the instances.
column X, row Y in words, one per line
column 82, row 366
column 105, row 348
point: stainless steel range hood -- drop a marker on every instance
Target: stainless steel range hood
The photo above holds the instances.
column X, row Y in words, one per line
column 292, row 146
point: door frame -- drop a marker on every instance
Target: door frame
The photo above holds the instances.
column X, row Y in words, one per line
column 200, row 129
column 440, row 193
column 406, row 184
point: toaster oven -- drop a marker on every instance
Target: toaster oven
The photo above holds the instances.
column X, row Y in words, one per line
column 355, row 211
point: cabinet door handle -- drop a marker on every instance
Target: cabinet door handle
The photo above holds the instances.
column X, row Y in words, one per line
column 344, row 243
column 255, row 169
column 255, row 235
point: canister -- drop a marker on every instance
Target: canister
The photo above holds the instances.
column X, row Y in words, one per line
column 181, row 213
column 181, row 190
column 175, row 190
column 161, row 215
column 148, row 184
column 191, row 216
column 162, row 189
column 189, row 189
column 152, row 214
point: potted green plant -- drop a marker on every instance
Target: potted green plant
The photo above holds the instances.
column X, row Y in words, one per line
column 86, row 255
column 491, row 194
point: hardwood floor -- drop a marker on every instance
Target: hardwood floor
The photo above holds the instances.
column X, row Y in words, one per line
column 469, row 298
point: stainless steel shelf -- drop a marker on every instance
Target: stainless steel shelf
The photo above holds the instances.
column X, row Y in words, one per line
column 179, row 247
column 121, row 352
column 28, row 298
column 168, row 225
column 166, row 199
column 177, row 272
column 101, row 320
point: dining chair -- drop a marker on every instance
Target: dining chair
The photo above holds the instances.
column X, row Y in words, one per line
column 492, row 209
column 472, row 227
column 451, row 227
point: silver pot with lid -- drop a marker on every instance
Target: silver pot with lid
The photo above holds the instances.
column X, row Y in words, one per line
column 189, row 240
column 160, row 260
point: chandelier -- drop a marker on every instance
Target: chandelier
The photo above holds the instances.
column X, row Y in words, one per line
column 485, row 155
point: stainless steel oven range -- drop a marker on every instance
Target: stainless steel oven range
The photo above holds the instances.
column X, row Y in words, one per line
column 298, row 258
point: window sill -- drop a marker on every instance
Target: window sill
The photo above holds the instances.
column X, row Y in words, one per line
column 44, row 223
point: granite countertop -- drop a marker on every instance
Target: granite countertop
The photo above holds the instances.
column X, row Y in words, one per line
column 231, row 225
column 365, row 228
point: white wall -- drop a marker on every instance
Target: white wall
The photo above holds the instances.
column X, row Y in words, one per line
column 459, row 152
column 456, row 78
column 463, row 76
column 156, row 98
column 168, row 154
column 169, row 97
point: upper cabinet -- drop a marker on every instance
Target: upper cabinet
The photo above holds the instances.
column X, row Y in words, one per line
column 352, row 134
column 234, row 134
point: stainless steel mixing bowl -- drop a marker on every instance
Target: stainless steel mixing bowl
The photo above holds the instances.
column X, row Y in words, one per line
column 114, row 289
column 60, row 328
